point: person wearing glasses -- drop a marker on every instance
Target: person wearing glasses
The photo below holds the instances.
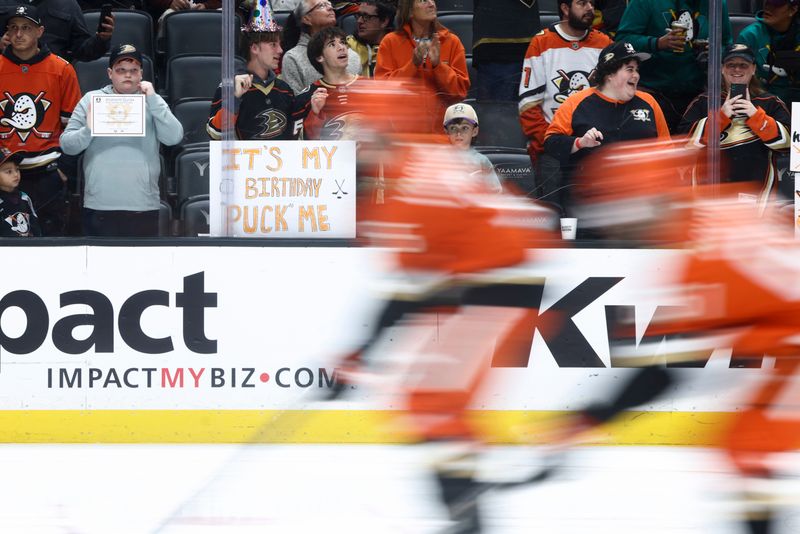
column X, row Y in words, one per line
column 461, row 126
column 424, row 51
column 374, row 20
column 309, row 17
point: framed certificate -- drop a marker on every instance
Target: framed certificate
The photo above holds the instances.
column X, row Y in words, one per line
column 117, row 115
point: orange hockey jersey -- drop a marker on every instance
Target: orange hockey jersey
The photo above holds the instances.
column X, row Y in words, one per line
column 439, row 218
column 38, row 96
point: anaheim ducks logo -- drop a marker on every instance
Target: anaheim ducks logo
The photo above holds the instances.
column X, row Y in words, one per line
column 737, row 133
column 568, row 83
column 342, row 127
column 684, row 17
column 273, row 123
column 24, row 115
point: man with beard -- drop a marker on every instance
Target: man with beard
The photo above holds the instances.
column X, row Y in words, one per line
column 558, row 63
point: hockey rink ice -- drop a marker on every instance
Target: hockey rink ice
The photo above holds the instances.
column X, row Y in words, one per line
column 103, row 489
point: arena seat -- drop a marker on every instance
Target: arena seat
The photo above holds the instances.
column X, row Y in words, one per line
column 547, row 6
column 191, row 174
column 281, row 17
column 740, row 22
column 130, row 27
column 192, row 113
column 443, row 6
column 164, row 220
column 195, row 216
column 348, row 24
column 461, row 25
column 513, row 167
column 473, row 79
column 94, row 74
column 548, row 18
column 499, row 124
column 194, row 32
column 192, row 76
column 741, row 7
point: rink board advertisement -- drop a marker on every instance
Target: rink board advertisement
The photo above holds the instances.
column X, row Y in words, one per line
column 283, row 189
column 212, row 344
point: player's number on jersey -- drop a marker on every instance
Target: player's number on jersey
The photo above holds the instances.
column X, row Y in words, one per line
column 527, row 71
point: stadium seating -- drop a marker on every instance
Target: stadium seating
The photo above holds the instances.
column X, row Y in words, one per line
column 281, row 17
column 195, row 216
column 499, row 124
column 740, row 22
column 548, row 19
column 742, row 7
column 348, row 24
column 547, row 6
column 130, row 27
column 194, row 32
column 473, row 79
column 513, row 167
column 461, row 25
column 94, row 74
column 164, row 220
column 193, row 76
column 443, row 6
column 191, row 174
column 192, row 113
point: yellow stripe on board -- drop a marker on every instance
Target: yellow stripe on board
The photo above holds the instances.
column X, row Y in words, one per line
column 330, row 426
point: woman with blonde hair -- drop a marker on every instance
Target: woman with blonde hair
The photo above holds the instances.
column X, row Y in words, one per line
column 423, row 50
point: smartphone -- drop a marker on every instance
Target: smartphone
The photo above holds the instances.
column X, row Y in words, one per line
column 105, row 11
column 738, row 89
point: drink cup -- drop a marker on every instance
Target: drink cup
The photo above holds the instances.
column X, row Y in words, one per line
column 680, row 29
column 569, row 227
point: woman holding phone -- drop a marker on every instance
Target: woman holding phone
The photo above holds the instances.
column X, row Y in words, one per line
column 754, row 124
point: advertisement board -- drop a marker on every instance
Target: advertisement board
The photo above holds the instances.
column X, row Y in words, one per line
column 203, row 343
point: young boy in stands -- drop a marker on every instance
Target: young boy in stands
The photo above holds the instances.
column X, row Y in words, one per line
column 461, row 126
column 330, row 109
column 16, row 209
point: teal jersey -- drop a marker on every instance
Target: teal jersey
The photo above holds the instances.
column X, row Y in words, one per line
column 672, row 73
column 778, row 80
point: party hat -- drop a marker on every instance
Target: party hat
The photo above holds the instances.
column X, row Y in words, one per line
column 261, row 19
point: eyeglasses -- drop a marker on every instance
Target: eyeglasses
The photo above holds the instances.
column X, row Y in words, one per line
column 366, row 16
column 421, row 2
column 321, row 5
column 463, row 129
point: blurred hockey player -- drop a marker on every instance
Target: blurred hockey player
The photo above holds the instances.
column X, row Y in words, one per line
column 739, row 288
column 459, row 249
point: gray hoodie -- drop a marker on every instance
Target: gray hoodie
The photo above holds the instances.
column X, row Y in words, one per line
column 121, row 172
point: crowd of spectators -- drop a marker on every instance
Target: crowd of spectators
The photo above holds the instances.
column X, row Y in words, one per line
column 604, row 72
